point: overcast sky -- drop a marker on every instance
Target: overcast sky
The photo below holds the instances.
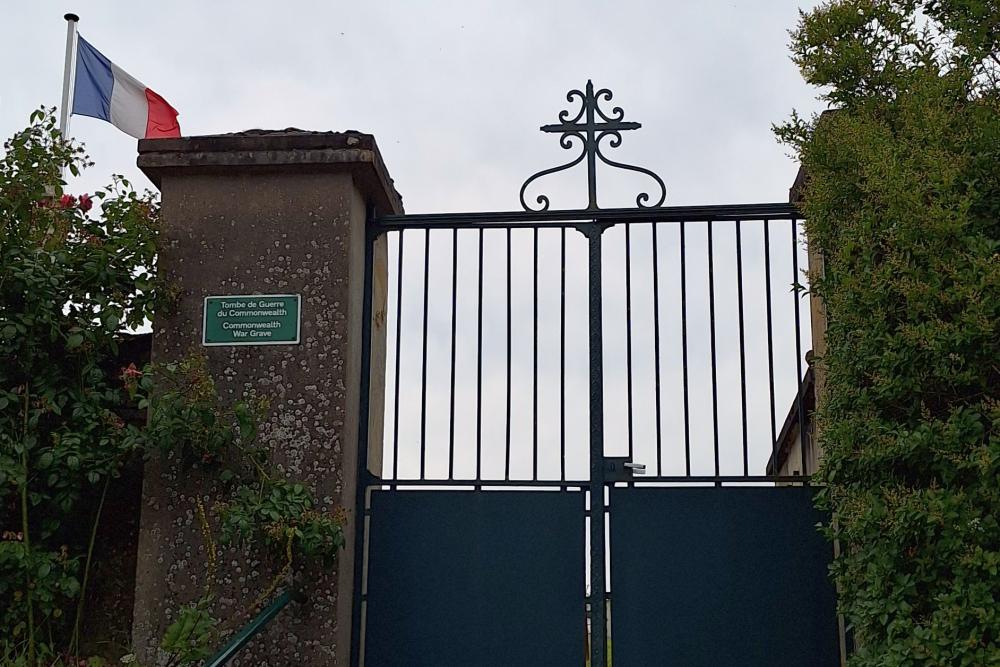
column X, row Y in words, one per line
column 454, row 93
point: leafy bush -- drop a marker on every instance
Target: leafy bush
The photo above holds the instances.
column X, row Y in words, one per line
column 903, row 199
column 187, row 415
column 69, row 282
column 189, row 638
column 281, row 513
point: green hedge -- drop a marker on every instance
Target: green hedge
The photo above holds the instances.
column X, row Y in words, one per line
column 903, row 199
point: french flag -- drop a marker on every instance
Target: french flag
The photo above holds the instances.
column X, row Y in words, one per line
column 106, row 91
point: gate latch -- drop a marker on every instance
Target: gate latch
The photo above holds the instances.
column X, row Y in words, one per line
column 621, row 469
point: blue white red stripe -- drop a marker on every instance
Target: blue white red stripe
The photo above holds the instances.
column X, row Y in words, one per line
column 106, row 91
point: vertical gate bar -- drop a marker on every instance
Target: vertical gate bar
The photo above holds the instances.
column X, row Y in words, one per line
column 656, row 352
column 534, row 368
column 770, row 345
column 506, row 459
column 743, row 348
column 803, row 434
column 628, row 335
column 684, row 356
column 711, row 325
column 562, row 355
column 598, row 625
column 399, row 329
column 363, row 476
column 454, row 312
column 423, row 372
column 479, row 369
column 591, row 147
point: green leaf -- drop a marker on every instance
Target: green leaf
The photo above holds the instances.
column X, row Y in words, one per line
column 74, row 340
column 110, row 321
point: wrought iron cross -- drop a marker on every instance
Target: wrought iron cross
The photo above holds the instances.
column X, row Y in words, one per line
column 595, row 126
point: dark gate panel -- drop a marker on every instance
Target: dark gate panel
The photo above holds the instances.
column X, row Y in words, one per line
column 476, row 578
column 720, row 576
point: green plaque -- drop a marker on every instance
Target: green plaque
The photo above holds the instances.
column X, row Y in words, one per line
column 253, row 319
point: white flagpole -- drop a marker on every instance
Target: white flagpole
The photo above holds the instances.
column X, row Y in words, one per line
column 69, row 74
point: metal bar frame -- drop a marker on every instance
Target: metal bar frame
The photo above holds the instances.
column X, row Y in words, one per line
column 364, row 476
column 250, row 630
column 592, row 224
column 598, row 586
column 609, row 216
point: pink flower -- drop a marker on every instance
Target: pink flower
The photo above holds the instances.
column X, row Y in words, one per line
column 67, row 201
column 130, row 372
column 85, row 202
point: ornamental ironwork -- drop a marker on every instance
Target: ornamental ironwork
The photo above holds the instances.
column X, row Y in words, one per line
column 591, row 125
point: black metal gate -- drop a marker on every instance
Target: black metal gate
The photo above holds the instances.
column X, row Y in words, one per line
column 573, row 394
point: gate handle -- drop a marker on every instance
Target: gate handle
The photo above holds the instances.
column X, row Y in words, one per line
column 636, row 468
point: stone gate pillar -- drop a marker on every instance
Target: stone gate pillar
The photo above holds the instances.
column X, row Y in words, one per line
column 266, row 213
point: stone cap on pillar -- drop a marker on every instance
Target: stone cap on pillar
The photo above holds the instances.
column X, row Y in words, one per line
column 269, row 150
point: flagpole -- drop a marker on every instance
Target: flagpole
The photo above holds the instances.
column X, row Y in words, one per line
column 68, row 74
